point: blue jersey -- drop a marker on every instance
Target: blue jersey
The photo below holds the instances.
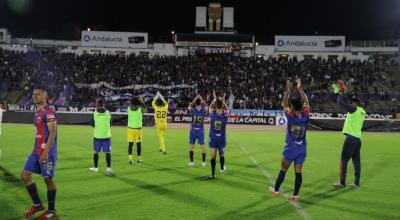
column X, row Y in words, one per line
column 218, row 124
column 296, row 129
column 198, row 118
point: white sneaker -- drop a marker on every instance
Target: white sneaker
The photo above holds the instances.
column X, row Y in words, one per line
column 223, row 170
column 191, row 164
column 94, row 169
column 203, row 164
column 109, row 171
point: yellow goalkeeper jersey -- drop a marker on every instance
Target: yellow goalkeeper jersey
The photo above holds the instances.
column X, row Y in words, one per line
column 160, row 113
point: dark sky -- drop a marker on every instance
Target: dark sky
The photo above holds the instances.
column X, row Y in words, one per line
column 63, row 19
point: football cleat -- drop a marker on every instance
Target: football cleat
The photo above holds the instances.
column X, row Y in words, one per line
column 354, row 186
column 34, row 209
column 94, row 169
column 273, row 192
column 338, row 185
column 46, row 215
column 109, row 171
column 295, row 199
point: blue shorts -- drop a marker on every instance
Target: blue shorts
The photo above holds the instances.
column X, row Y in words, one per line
column 102, row 145
column 196, row 134
column 298, row 155
column 46, row 169
column 218, row 142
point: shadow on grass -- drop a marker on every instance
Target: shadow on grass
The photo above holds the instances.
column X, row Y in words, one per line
column 226, row 181
column 10, row 178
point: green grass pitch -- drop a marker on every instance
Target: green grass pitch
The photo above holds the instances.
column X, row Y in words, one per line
column 163, row 187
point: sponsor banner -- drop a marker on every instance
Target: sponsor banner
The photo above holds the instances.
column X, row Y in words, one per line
column 372, row 116
column 248, row 120
column 212, row 50
column 210, row 44
column 281, row 120
column 114, row 39
column 310, row 43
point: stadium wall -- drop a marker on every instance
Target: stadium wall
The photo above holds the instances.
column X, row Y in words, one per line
column 120, row 119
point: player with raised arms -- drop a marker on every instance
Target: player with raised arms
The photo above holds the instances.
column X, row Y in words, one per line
column 352, row 130
column 298, row 115
column 217, row 137
column 160, row 106
column 198, row 111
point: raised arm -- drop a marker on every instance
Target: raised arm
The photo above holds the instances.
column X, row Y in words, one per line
column 212, row 105
column 302, row 93
column 162, row 97
column 203, row 101
column 153, row 103
column 142, row 104
column 225, row 106
column 286, row 96
column 191, row 104
column 342, row 100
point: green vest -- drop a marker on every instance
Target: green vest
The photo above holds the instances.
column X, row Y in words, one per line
column 354, row 122
column 135, row 118
column 102, row 127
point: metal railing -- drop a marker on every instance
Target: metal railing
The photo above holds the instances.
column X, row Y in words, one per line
column 366, row 44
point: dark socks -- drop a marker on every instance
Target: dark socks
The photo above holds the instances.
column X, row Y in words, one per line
column 213, row 167
column 297, row 184
column 32, row 190
column 130, row 145
column 343, row 172
column 357, row 171
column 203, row 156
column 51, row 198
column 108, row 159
column 280, row 179
column 139, row 148
column 96, row 160
column 222, row 161
column 191, row 155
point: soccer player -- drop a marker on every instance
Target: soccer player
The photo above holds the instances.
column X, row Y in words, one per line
column 160, row 106
column 352, row 130
column 295, row 148
column 198, row 113
column 101, row 124
column 219, row 119
column 135, row 121
column 43, row 157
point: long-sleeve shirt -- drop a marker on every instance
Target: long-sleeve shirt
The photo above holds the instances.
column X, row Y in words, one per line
column 342, row 100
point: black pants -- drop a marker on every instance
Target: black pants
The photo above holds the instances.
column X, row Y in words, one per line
column 351, row 150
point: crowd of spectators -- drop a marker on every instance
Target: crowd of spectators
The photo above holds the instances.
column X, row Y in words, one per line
column 251, row 83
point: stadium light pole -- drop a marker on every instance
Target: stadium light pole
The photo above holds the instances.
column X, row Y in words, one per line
column 173, row 36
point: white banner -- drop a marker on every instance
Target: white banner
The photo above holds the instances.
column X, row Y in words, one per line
column 228, row 17
column 201, row 16
column 109, row 86
column 114, row 39
column 310, row 43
